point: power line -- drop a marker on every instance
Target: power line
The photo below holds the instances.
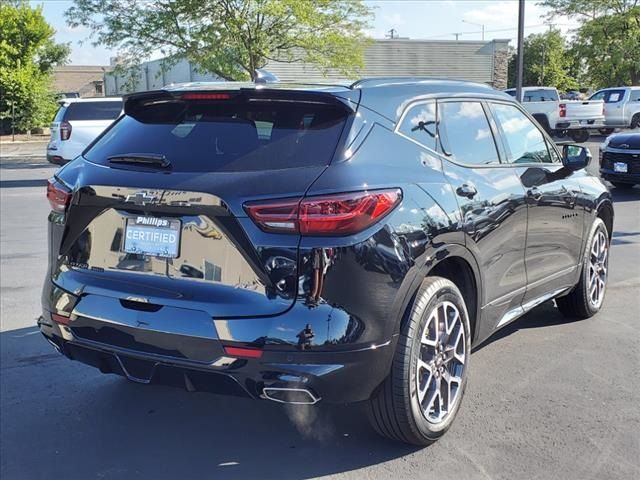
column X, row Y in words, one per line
column 498, row 30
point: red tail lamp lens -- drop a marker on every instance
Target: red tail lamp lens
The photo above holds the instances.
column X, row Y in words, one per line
column 58, row 195
column 65, row 131
column 563, row 110
column 341, row 214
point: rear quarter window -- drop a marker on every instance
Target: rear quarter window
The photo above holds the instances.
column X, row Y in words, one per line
column 80, row 111
column 207, row 136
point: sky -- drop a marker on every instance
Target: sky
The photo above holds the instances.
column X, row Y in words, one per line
column 416, row 19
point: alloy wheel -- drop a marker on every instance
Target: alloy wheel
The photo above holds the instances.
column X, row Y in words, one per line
column 441, row 362
column 598, row 265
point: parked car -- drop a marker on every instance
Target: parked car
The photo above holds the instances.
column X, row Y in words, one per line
column 621, row 107
column 305, row 244
column 77, row 123
column 566, row 117
column 620, row 159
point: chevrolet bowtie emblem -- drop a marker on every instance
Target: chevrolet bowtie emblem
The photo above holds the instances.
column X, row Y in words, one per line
column 141, row 198
column 624, row 145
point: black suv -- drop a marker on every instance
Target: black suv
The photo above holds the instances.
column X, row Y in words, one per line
column 319, row 243
column 620, row 159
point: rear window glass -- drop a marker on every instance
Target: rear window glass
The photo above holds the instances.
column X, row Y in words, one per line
column 227, row 136
column 540, row 96
column 93, row 111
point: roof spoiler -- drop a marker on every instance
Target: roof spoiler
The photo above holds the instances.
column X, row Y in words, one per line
column 264, row 76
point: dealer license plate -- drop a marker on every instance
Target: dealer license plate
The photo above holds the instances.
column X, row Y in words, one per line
column 153, row 236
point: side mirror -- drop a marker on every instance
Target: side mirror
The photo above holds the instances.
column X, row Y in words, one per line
column 575, row 157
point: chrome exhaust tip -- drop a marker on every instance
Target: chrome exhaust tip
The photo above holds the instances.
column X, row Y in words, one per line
column 292, row 396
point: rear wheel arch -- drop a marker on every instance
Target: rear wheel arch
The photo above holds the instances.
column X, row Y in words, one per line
column 455, row 263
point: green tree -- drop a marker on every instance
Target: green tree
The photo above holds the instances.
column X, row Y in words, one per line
column 547, row 62
column 27, row 56
column 230, row 38
column 608, row 39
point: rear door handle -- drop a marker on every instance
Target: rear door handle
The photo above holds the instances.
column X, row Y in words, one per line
column 534, row 193
column 466, row 190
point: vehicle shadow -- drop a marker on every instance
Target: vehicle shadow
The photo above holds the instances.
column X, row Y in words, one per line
column 621, row 195
column 63, row 419
column 542, row 316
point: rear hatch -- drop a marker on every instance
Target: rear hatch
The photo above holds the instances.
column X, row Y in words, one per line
column 77, row 124
column 157, row 215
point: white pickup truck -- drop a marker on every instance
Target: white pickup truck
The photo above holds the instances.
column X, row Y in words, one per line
column 562, row 117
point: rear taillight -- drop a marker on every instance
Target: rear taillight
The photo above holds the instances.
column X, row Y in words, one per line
column 341, row 214
column 65, row 131
column 205, row 96
column 563, row 110
column 58, row 195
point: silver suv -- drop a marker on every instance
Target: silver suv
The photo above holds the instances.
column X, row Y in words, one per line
column 77, row 123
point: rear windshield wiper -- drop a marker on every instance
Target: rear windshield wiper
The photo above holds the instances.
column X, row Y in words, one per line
column 146, row 159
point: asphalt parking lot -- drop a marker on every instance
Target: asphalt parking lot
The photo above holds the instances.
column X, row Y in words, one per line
column 547, row 398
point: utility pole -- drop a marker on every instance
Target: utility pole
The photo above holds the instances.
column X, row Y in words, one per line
column 457, row 35
column 520, row 59
column 393, row 33
column 543, row 62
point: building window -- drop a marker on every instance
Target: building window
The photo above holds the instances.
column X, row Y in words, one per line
column 98, row 86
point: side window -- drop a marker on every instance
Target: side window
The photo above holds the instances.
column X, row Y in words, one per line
column 419, row 124
column 614, row 96
column 635, row 96
column 598, row 95
column 524, row 142
column 465, row 134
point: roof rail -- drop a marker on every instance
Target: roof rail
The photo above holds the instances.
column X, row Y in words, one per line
column 409, row 80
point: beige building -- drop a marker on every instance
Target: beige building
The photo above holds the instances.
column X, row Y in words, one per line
column 476, row 61
column 84, row 80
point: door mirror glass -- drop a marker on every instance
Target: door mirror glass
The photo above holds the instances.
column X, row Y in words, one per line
column 575, row 157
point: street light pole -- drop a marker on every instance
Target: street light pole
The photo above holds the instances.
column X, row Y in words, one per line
column 481, row 25
column 520, row 59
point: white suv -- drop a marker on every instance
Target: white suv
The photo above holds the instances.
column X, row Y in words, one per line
column 77, row 123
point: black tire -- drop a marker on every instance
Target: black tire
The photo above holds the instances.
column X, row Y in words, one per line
column 394, row 410
column 606, row 131
column 577, row 303
column 544, row 123
column 580, row 136
column 622, row 185
column 635, row 121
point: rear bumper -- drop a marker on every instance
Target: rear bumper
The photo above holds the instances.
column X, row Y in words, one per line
column 197, row 361
column 575, row 124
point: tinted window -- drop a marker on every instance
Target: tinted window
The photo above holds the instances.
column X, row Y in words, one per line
column 524, row 142
column 93, row 111
column 635, row 96
column 465, row 134
column 419, row 124
column 208, row 136
column 598, row 96
column 541, row 95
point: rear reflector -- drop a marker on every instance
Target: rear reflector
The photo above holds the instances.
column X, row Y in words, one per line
column 205, row 96
column 341, row 214
column 58, row 195
column 61, row 319
column 243, row 352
